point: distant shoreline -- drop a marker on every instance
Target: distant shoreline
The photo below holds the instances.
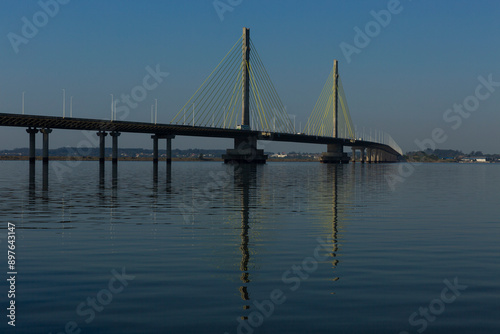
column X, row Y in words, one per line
column 59, row 158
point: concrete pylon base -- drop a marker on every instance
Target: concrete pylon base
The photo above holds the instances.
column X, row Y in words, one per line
column 334, row 158
column 335, row 155
column 245, row 152
column 251, row 157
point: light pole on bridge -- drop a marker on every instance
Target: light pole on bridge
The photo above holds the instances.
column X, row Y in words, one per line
column 64, row 103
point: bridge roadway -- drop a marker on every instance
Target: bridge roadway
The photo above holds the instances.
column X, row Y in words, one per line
column 161, row 130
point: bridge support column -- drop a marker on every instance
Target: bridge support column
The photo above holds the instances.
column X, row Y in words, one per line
column 32, row 149
column 169, row 148
column 155, row 159
column 334, row 155
column 32, row 132
column 45, row 156
column 102, row 146
column 361, row 154
column 369, row 155
column 155, row 149
column 114, row 158
column 245, row 151
column 102, row 157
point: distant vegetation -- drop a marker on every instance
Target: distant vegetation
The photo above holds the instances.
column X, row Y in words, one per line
column 440, row 155
column 124, row 152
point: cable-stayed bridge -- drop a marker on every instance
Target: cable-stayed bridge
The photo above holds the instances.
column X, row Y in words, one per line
column 238, row 100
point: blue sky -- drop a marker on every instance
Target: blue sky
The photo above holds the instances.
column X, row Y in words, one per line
column 425, row 60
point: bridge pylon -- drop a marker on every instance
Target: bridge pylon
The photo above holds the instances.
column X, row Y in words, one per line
column 335, row 152
column 245, row 147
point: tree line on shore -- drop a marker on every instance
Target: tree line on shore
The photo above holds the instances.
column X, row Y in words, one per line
column 447, row 155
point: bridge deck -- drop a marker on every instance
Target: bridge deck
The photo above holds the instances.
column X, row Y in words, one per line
column 53, row 122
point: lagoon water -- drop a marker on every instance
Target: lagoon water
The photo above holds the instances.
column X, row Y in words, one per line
column 279, row 248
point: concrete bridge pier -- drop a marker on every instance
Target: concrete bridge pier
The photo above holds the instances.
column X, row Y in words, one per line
column 45, row 158
column 32, row 150
column 45, row 177
column 169, row 161
column 102, row 158
column 155, row 150
column 102, row 146
column 32, row 132
column 155, row 158
column 334, row 155
column 245, row 151
column 169, row 148
column 114, row 158
column 361, row 154
column 115, row 136
column 45, row 149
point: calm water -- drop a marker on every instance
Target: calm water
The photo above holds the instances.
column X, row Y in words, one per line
column 280, row 248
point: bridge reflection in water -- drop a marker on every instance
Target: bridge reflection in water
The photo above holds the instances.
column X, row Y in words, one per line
column 245, row 177
column 101, row 177
column 245, row 182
